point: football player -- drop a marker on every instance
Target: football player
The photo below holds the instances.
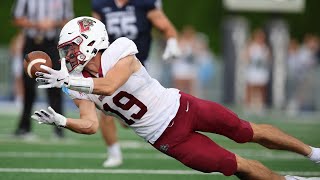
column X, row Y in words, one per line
column 133, row 19
column 111, row 78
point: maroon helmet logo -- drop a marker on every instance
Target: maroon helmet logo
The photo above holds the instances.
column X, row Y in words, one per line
column 85, row 24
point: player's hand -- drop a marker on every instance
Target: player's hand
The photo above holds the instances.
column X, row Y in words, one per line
column 53, row 78
column 49, row 117
column 172, row 49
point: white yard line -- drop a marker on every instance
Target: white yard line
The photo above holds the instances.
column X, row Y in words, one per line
column 80, row 155
column 266, row 155
column 134, row 171
column 102, row 171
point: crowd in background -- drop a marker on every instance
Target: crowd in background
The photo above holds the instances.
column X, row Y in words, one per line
column 195, row 70
column 301, row 65
column 303, row 60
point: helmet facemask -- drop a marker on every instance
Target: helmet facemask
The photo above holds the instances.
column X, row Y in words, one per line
column 71, row 52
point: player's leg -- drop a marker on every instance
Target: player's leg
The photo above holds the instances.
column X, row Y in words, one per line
column 213, row 117
column 24, row 126
column 199, row 152
column 54, row 94
column 251, row 169
column 109, row 134
column 273, row 138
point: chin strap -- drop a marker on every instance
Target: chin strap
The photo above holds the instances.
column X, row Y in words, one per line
column 80, row 84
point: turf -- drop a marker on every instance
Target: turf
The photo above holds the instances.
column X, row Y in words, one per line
column 79, row 157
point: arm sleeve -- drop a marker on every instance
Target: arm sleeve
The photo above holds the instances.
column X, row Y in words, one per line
column 19, row 8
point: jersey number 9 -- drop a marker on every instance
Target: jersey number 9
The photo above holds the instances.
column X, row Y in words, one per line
column 126, row 106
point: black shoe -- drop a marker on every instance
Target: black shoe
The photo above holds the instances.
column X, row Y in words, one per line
column 25, row 135
column 21, row 132
column 59, row 133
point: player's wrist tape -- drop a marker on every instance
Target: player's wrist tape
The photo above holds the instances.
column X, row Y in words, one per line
column 62, row 123
column 80, row 84
column 172, row 41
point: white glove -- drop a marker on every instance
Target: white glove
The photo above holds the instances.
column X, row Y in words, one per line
column 49, row 117
column 53, row 78
column 172, row 49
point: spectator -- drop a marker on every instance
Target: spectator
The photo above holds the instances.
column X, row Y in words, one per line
column 293, row 75
column 304, row 74
column 205, row 67
column 41, row 22
column 184, row 69
column 16, row 47
column 258, row 71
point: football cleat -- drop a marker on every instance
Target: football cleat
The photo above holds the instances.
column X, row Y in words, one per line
column 112, row 161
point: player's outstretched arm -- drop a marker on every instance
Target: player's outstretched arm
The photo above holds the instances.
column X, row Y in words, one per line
column 87, row 124
column 116, row 76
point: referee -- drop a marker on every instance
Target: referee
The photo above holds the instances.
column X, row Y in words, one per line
column 41, row 21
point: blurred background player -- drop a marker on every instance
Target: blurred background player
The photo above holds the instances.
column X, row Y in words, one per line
column 302, row 74
column 41, row 22
column 193, row 71
column 16, row 47
column 132, row 19
column 258, row 72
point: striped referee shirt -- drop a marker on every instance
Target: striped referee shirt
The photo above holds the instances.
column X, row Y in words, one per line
column 39, row 10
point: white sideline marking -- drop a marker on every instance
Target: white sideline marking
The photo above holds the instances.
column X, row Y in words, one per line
column 252, row 154
column 80, row 155
column 104, row 171
column 135, row 171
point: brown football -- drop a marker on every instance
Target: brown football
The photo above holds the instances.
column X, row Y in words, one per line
column 34, row 60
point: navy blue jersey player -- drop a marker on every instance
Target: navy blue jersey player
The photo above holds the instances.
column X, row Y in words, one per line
column 133, row 19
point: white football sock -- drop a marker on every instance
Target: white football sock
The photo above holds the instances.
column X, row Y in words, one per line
column 314, row 155
column 114, row 150
column 288, row 177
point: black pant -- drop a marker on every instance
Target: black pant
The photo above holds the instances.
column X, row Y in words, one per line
column 30, row 85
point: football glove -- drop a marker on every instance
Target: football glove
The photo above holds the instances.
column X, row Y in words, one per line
column 49, row 117
column 58, row 79
column 53, row 78
column 172, row 49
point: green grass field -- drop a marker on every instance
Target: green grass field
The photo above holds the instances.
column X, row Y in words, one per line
column 79, row 157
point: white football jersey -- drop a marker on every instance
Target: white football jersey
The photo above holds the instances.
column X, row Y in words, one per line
column 142, row 102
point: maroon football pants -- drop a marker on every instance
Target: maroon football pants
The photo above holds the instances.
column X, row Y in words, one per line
column 182, row 141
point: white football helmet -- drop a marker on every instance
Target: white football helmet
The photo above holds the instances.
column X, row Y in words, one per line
column 80, row 40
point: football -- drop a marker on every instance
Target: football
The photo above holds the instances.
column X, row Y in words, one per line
column 34, row 60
